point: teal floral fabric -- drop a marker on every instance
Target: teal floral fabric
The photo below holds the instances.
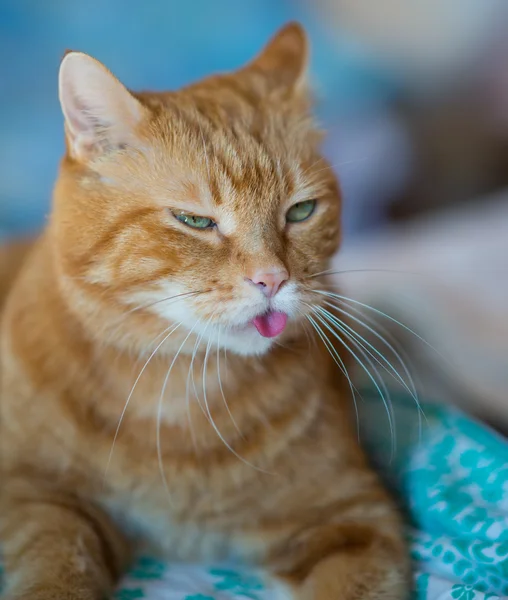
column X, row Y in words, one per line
column 451, row 476
column 153, row 580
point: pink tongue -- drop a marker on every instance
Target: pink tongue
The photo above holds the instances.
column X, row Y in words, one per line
column 270, row 324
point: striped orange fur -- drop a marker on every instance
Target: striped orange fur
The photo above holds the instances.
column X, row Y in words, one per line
column 140, row 402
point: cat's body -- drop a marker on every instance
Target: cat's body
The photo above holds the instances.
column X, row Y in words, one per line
column 122, row 416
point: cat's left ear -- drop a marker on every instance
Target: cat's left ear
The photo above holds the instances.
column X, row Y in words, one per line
column 100, row 113
column 284, row 60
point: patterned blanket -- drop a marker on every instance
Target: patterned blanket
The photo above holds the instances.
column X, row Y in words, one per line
column 451, row 475
column 452, row 479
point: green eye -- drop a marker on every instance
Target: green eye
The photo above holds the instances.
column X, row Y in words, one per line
column 194, row 221
column 300, row 211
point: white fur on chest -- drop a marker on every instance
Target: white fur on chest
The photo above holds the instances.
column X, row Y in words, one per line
column 164, row 535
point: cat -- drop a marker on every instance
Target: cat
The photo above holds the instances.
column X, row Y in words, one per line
column 162, row 386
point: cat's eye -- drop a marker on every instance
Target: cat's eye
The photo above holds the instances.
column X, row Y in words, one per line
column 300, row 211
column 194, row 221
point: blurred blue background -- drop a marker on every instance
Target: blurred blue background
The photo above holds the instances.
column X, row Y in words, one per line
column 376, row 86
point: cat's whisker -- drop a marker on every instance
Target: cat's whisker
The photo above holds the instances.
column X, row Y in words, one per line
column 208, row 323
column 386, row 316
column 377, row 380
column 405, row 359
column 159, row 415
column 150, row 345
column 187, row 395
column 328, row 272
column 190, row 374
column 171, row 330
column 366, row 355
column 211, row 420
column 207, row 408
column 283, row 346
column 315, row 163
column 305, row 323
column 368, row 352
column 375, row 353
column 340, row 363
column 118, row 322
column 168, row 298
column 226, row 363
column 187, row 403
column 387, row 335
column 325, row 272
column 424, row 273
column 221, row 387
column 382, row 360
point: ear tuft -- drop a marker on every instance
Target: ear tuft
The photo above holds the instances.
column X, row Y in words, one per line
column 67, row 51
column 100, row 113
column 285, row 58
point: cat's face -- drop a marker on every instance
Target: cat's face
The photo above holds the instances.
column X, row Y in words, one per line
column 210, row 206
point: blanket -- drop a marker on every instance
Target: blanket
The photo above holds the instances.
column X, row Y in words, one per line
column 451, row 476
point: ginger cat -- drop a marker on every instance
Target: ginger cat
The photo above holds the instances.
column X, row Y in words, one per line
column 161, row 383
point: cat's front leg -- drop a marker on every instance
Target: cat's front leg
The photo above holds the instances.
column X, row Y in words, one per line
column 349, row 561
column 56, row 547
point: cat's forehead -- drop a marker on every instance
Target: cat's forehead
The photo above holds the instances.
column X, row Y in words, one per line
column 228, row 158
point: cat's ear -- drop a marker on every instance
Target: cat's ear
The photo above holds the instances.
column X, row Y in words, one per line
column 100, row 113
column 284, row 59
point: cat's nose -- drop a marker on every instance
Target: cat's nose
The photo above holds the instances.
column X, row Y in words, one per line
column 268, row 281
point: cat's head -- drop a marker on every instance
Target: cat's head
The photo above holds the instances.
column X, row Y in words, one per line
column 210, row 206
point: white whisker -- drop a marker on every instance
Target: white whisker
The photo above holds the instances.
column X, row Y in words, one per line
column 381, row 313
column 387, row 335
column 373, row 351
column 328, row 272
column 310, row 339
column 306, row 171
column 411, row 388
column 369, row 353
column 190, row 374
column 340, row 363
column 212, row 422
column 378, row 383
column 172, row 299
column 167, row 299
column 173, row 329
column 187, row 403
column 222, row 389
column 159, row 415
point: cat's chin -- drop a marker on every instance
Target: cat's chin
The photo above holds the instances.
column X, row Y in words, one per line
column 246, row 342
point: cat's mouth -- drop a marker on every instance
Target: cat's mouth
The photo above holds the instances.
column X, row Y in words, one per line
column 271, row 323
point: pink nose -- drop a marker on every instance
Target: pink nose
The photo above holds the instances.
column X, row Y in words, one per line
column 269, row 281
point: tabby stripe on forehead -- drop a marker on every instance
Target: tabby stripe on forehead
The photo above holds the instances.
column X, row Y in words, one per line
column 283, row 177
column 288, row 181
column 234, row 175
column 215, row 189
column 202, row 126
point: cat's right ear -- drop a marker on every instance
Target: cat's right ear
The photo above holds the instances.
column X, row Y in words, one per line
column 100, row 113
column 284, row 60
